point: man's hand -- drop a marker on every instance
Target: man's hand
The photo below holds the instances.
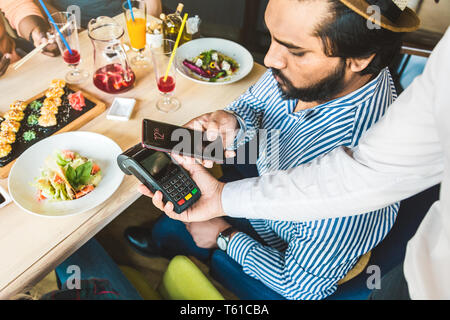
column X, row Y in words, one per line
column 216, row 123
column 205, row 233
column 207, row 207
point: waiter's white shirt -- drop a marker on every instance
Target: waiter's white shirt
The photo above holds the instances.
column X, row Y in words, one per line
column 406, row 152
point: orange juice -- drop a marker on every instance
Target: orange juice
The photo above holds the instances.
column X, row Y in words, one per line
column 136, row 32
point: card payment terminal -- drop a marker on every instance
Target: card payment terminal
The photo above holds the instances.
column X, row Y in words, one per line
column 157, row 171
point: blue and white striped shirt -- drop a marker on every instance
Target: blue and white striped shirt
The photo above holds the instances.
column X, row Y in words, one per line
column 306, row 260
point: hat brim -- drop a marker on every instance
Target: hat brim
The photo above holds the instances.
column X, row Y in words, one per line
column 408, row 20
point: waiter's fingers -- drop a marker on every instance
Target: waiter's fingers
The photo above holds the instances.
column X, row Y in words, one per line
column 158, row 200
column 144, row 190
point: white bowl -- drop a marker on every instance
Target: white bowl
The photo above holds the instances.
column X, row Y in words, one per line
column 26, row 169
column 193, row 48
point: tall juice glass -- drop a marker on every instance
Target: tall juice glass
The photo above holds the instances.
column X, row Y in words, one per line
column 67, row 24
column 136, row 22
column 166, row 86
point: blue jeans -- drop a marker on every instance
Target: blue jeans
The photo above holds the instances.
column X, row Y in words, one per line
column 172, row 238
column 393, row 286
column 94, row 262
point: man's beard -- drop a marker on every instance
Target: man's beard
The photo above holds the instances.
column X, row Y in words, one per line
column 322, row 91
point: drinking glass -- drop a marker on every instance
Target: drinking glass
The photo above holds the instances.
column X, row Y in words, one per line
column 136, row 22
column 67, row 24
column 161, row 56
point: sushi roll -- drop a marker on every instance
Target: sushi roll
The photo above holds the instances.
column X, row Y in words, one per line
column 18, row 105
column 54, row 92
column 10, row 125
column 52, row 102
column 49, row 110
column 7, row 137
column 5, row 149
column 47, row 120
column 57, row 83
column 14, row 115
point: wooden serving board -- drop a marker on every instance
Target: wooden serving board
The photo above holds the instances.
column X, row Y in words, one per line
column 95, row 108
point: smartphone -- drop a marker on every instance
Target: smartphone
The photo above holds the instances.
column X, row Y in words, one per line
column 167, row 137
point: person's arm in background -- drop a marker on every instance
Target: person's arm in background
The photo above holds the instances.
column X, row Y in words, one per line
column 28, row 21
column 397, row 158
column 154, row 7
column 7, row 49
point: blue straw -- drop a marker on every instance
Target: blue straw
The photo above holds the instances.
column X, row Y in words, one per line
column 56, row 27
column 131, row 9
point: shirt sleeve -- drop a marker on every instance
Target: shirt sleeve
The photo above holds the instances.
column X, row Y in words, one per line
column 398, row 157
column 249, row 109
column 16, row 10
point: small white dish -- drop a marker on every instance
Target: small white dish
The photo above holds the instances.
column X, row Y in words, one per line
column 27, row 168
column 6, row 198
column 193, row 48
column 121, row 109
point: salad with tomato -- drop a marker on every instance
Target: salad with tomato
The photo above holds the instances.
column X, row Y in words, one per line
column 212, row 65
column 67, row 176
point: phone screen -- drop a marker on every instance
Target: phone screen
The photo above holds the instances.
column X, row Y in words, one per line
column 170, row 138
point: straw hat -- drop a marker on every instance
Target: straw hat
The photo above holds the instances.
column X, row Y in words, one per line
column 395, row 15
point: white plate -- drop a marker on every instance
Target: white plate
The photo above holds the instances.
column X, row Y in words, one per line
column 26, row 169
column 193, row 48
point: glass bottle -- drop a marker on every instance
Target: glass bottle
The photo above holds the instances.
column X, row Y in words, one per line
column 172, row 24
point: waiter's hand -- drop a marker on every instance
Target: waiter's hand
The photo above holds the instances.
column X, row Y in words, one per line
column 218, row 123
column 207, row 207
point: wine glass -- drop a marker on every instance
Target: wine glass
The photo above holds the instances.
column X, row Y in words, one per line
column 136, row 22
column 70, row 48
column 165, row 82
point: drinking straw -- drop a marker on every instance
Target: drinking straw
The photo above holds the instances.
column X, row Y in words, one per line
column 56, row 26
column 131, row 10
column 176, row 46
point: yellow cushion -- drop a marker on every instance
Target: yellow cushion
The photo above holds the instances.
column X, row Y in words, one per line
column 140, row 283
column 183, row 280
column 357, row 269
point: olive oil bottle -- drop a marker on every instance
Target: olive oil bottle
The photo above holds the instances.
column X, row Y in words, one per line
column 172, row 24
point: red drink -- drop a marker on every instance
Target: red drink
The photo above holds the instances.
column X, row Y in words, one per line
column 111, row 78
column 73, row 58
column 166, row 86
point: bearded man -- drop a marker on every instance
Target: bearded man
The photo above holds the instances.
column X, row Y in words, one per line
column 327, row 83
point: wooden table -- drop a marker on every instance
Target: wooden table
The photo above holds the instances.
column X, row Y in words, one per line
column 31, row 246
